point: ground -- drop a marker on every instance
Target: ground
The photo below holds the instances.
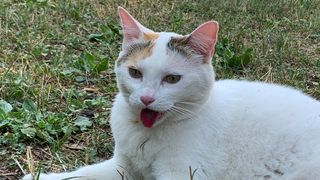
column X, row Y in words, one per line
column 56, row 66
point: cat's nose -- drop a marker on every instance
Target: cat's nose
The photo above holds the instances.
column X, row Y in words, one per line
column 146, row 100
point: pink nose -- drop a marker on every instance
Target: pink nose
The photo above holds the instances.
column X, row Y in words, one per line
column 146, row 100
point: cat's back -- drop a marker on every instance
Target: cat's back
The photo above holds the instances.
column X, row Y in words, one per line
column 267, row 96
column 267, row 105
column 271, row 128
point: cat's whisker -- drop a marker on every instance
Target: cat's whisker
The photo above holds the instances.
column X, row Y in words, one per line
column 184, row 110
column 188, row 103
column 186, row 114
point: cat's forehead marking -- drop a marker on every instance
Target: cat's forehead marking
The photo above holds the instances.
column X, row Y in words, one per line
column 180, row 45
column 139, row 55
column 153, row 47
column 135, row 52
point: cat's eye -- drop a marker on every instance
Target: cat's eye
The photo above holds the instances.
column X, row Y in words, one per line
column 172, row 79
column 135, row 73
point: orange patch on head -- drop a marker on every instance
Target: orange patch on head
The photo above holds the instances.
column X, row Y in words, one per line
column 150, row 36
column 134, row 58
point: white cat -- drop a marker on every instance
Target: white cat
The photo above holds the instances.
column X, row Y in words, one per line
column 171, row 121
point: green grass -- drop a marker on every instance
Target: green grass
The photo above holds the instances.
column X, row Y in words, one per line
column 56, row 66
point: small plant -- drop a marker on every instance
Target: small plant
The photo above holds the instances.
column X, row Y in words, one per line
column 233, row 56
column 91, row 64
column 110, row 33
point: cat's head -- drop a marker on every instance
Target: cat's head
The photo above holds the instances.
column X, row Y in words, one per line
column 164, row 74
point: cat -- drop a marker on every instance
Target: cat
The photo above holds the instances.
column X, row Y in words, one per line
column 172, row 121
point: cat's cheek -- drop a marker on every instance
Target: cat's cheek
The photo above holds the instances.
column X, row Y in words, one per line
column 125, row 83
column 123, row 89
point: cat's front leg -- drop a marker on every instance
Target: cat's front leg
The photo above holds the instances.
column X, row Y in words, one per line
column 179, row 167
column 178, row 172
column 183, row 174
column 110, row 169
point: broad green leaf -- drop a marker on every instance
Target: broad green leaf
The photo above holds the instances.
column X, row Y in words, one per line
column 30, row 132
column 228, row 54
column 103, row 65
column 69, row 71
column 247, row 56
column 5, row 106
column 83, row 123
column 4, row 123
column 29, row 105
column 95, row 37
column 80, row 79
column 87, row 61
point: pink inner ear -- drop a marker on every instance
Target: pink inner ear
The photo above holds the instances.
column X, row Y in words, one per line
column 129, row 25
column 204, row 38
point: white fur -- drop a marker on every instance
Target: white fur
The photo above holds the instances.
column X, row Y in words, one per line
column 228, row 130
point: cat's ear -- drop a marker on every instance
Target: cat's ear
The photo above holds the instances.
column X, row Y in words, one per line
column 203, row 39
column 131, row 28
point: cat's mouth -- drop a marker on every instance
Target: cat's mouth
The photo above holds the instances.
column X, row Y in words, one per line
column 148, row 117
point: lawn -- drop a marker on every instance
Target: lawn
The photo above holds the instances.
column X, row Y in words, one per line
column 56, row 66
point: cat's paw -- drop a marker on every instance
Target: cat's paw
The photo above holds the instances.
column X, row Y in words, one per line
column 56, row 176
column 41, row 177
column 27, row 177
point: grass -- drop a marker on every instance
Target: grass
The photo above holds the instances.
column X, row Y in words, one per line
column 56, row 66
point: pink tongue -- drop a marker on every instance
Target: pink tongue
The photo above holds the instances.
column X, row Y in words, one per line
column 149, row 117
